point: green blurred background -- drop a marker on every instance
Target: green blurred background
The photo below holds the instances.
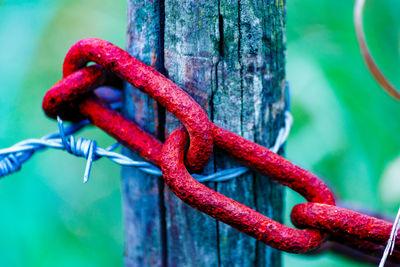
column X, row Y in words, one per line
column 346, row 128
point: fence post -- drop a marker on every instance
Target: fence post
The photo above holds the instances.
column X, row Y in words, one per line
column 230, row 57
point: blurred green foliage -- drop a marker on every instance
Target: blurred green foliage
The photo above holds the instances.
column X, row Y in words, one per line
column 345, row 127
column 48, row 217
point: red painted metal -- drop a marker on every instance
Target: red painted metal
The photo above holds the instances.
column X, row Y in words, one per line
column 61, row 99
column 72, row 98
column 145, row 78
column 80, row 83
column 234, row 213
column 342, row 222
column 274, row 166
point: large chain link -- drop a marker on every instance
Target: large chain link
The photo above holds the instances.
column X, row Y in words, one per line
column 71, row 98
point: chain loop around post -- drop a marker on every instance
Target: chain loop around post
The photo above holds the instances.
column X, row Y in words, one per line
column 234, row 213
column 121, row 63
column 11, row 159
column 77, row 85
column 157, row 86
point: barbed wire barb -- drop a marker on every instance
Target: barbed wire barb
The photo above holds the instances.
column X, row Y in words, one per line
column 12, row 158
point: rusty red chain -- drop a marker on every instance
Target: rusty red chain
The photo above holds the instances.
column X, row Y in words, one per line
column 343, row 222
column 61, row 100
column 71, row 98
column 155, row 85
column 234, row 213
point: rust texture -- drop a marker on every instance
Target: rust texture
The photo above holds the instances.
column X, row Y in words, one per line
column 342, row 222
column 65, row 99
column 72, row 98
column 145, row 78
column 60, row 100
column 274, row 166
column 232, row 212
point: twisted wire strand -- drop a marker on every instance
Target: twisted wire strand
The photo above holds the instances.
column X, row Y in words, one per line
column 12, row 158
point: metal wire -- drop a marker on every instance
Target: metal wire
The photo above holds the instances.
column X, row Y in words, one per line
column 12, row 158
column 392, row 240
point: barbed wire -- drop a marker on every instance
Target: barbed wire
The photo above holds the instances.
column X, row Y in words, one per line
column 12, row 158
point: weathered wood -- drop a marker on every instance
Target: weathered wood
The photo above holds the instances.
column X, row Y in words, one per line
column 228, row 55
column 191, row 54
column 142, row 194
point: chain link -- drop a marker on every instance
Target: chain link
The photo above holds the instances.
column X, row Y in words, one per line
column 12, row 158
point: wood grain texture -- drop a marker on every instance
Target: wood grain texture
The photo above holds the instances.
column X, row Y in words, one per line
column 230, row 57
column 191, row 54
column 142, row 198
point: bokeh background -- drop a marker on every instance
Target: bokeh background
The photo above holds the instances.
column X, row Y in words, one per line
column 346, row 128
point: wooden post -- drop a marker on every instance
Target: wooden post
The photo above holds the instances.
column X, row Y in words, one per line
column 230, row 57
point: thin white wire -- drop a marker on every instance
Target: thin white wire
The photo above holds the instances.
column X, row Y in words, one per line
column 12, row 158
column 392, row 240
column 358, row 10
